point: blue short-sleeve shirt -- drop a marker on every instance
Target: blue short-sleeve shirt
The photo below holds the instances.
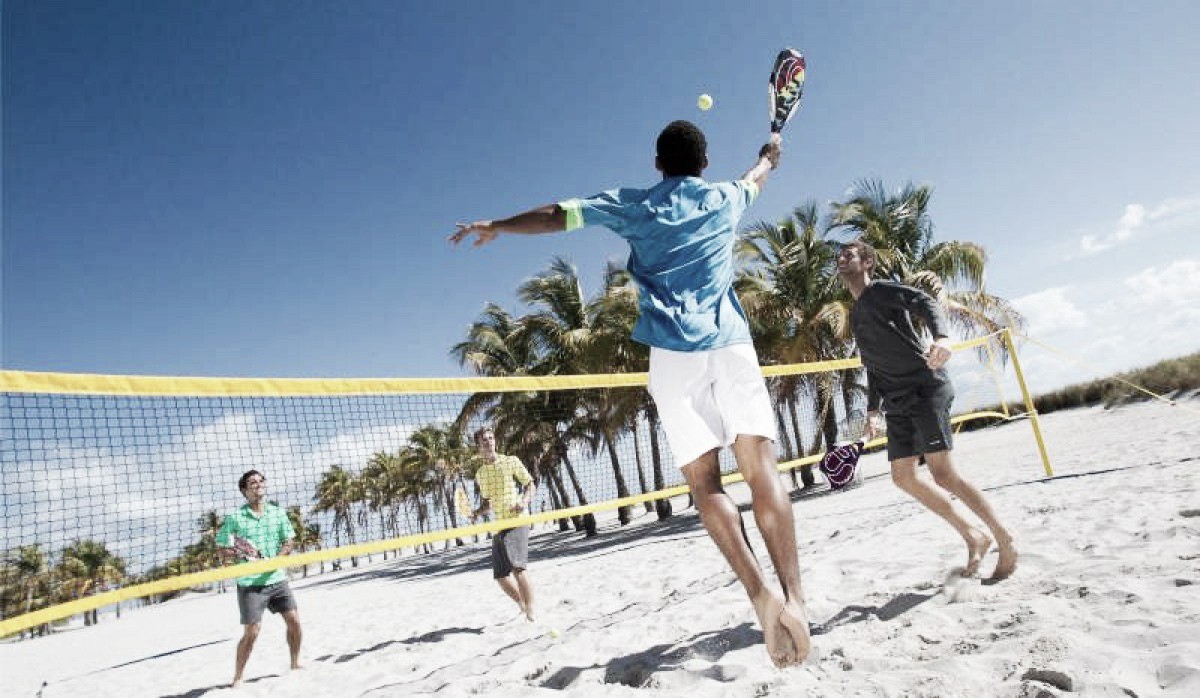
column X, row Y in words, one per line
column 681, row 234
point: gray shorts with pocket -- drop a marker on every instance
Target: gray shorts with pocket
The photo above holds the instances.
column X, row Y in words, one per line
column 252, row 600
column 510, row 551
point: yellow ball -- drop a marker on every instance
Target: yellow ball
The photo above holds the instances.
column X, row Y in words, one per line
column 554, row 633
column 705, row 102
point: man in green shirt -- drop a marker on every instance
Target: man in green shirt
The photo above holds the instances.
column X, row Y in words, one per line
column 498, row 479
column 260, row 529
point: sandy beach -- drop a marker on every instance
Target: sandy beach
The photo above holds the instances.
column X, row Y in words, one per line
column 1105, row 602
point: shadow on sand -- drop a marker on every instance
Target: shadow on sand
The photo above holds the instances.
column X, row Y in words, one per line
column 638, row 669
column 855, row 614
column 433, row 636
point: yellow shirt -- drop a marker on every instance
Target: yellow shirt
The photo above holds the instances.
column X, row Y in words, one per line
column 495, row 481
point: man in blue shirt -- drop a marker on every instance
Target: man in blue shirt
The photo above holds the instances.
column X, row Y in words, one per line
column 704, row 373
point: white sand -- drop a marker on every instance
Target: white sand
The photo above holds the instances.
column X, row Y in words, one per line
column 1106, row 598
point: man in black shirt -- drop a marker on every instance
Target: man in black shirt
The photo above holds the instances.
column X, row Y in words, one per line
column 910, row 381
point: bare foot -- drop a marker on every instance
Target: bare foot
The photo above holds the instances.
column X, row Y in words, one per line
column 529, row 614
column 237, row 681
column 780, row 646
column 296, row 666
column 978, row 543
column 794, row 619
column 1007, row 564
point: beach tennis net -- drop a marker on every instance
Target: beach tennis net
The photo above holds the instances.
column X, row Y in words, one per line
column 114, row 487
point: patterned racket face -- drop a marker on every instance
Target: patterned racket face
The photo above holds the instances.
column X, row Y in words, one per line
column 840, row 465
column 787, row 85
column 246, row 548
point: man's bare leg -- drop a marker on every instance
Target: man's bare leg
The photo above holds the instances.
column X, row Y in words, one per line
column 904, row 474
column 510, row 587
column 946, row 476
column 776, row 522
column 294, row 635
column 526, row 590
column 244, row 647
column 723, row 521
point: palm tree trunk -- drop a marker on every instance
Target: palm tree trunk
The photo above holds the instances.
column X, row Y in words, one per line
column 661, row 506
column 589, row 520
column 829, row 422
column 623, row 513
column 579, row 495
column 349, row 524
column 448, row 494
column 788, row 453
column 637, row 455
column 849, row 388
column 559, row 497
column 806, row 473
column 382, row 530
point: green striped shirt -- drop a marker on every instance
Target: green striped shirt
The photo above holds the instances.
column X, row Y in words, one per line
column 267, row 531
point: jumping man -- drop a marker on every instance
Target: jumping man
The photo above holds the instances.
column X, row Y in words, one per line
column 704, row 373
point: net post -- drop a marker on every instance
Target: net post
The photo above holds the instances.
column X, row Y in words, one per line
column 1006, row 333
column 996, row 373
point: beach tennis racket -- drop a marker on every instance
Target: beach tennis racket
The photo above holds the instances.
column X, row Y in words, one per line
column 246, row 548
column 462, row 504
column 840, row 464
column 787, row 85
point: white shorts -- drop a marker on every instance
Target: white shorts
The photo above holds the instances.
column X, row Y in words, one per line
column 706, row 398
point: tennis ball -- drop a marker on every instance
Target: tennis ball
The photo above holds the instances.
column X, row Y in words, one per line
column 554, row 633
column 705, row 102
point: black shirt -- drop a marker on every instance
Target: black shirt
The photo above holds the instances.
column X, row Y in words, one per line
column 892, row 352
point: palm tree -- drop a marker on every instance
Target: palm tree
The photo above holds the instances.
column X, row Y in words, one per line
column 496, row 346
column 900, row 229
column 499, row 345
column 337, row 492
column 562, row 329
column 205, row 552
column 308, row 534
column 27, row 576
column 441, row 452
column 417, row 483
column 786, row 283
column 382, row 481
column 613, row 316
column 86, row 567
column 527, row 425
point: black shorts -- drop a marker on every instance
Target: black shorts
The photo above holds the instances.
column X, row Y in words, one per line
column 510, row 551
column 918, row 417
column 252, row 600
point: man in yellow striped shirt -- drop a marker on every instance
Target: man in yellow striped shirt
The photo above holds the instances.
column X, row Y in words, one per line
column 498, row 480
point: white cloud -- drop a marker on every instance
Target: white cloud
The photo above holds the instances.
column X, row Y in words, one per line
column 1050, row 310
column 1125, row 323
column 1139, row 222
column 1177, row 284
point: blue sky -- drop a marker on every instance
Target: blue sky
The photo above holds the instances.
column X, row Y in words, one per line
column 265, row 188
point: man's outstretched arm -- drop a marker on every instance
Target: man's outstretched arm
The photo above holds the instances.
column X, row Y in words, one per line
column 545, row 219
column 768, row 159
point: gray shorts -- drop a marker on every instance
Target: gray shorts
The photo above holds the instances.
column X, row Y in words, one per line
column 918, row 418
column 252, row 600
column 510, row 551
